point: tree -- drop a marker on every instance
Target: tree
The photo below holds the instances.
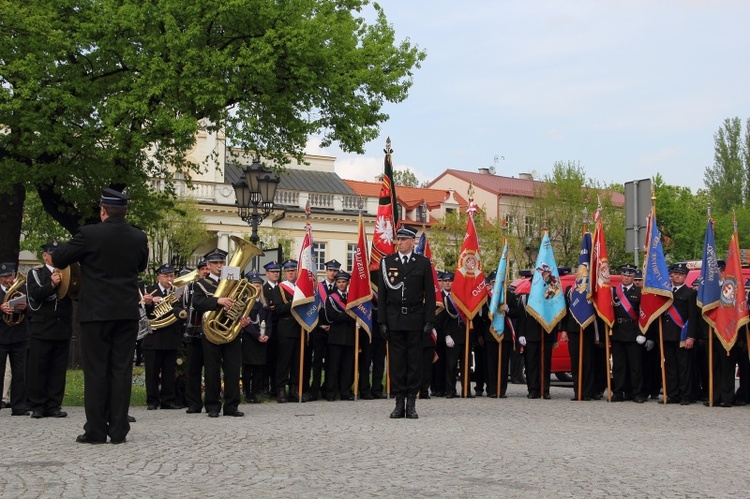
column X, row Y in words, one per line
column 178, row 231
column 727, row 179
column 405, row 177
column 110, row 93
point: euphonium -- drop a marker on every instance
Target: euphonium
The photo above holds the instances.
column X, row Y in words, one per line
column 15, row 318
column 222, row 326
column 164, row 312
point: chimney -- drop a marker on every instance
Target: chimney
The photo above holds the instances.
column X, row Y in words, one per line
column 485, row 171
column 525, row 176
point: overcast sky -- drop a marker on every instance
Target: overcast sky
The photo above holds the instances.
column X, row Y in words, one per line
column 626, row 88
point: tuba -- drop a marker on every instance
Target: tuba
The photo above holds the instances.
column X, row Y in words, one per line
column 14, row 318
column 70, row 281
column 164, row 314
column 223, row 326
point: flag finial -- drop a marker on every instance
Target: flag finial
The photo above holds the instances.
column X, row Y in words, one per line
column 388, row 149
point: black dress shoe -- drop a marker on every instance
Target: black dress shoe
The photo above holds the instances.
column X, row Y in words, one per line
column 378, row 395
column 547, row 396
column 597, row 396
column 37, row 414
column 532, row 396
column 252, row 400
column 438, row 394
column 152, row 407
column 673, row 401
column 194, row 410
column 235, row 414
column 21, row 412
column 725, row 404
column 281, row 399
column 740, row 403
column 171, row 406
column 131, row 419
column 425, row 396
column 309, row 397
column 686, row 402
column 213, row 414
column 450, row 395
column 639, row 399
column 618, row 397
column 503, row 396
column 491, row 395
column 366, row 396
column 4, row 405
column 330, row 398
column 85, row 439
column 55, row 413
column 118, row 441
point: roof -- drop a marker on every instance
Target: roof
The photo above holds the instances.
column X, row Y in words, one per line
column 408, row 197
column 509, row 186
column 298, row 180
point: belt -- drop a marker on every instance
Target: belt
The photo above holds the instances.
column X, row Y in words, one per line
column 620, row 320
column 413, row 308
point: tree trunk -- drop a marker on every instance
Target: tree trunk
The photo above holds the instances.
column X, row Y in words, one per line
column 11, row 215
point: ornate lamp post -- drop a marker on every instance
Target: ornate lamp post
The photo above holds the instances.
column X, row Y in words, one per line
column 255, row 195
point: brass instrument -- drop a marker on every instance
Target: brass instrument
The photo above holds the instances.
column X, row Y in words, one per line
column 163, row 312
column 14, row 318
column 70, row 281
column 222, row 326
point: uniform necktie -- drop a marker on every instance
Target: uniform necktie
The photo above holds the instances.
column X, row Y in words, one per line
column 344, row 295
column 674, row 289
column 405, row 259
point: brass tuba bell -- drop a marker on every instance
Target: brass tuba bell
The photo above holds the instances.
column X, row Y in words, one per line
column 222, row 326
column 14, row 318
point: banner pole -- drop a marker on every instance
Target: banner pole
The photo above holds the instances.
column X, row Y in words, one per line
column 543, row 368
column 466, row 361
column 580, row 363
column 609, row 365
column 710, row 366
column 663, row 361
column 499, row 365
column 356, row 360
column 301, row 363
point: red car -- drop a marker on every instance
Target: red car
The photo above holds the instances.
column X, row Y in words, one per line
column 560, row 355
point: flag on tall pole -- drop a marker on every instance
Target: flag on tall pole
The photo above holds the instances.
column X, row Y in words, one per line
column 656, row 295
column 546, row 299
column 580, row 307
column 499, row 295
column 387, row 216
column 731, row 313
column 359, row 304
column 709, row 290
column 423, row 248
column 306, row 302
column 469, row 291
column 600, row 288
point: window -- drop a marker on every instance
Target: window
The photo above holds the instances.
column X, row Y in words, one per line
column 512, row 221
column 528, row 229
column 319, row 256
column 351, row 253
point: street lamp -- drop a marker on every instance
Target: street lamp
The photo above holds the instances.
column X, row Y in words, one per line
column 255, row 195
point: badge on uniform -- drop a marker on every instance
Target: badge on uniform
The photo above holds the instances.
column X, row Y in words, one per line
column 392, row 274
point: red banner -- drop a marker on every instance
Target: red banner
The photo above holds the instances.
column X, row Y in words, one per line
column 732, row 313
column 387, row 218
column 600, row 292
column 469, row 289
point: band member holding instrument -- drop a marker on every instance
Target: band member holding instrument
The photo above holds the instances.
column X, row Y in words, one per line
column 194, row 343
column 112, row 254
column 14, row 336
column 51, row 331
column 160, row 347
column 256, row 332
column 228, row 355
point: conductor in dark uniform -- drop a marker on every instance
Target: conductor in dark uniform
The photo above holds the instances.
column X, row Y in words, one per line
column 51, row 331
column 112, row 254
column 227, row 356
column 160, row 347
column 406, row 313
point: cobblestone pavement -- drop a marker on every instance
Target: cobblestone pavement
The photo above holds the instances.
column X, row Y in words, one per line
column 479, row 447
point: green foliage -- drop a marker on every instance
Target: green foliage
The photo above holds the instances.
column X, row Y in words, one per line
column 727, row 179
column 405, row 177
column 38, row 227
column 274, row 238
column 110, row 93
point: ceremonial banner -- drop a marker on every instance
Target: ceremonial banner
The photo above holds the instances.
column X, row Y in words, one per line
column 710, row 281
column 387, row 216
column 600, row 288
column 423, row 248
column 580, row 307
column 499, row 297
column 546, row 299
column 731, row 313
column 469, row 291
column 359, row 305
column 306, row 302
column 656, row 296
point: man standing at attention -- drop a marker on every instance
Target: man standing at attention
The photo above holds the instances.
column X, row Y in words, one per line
column 112, row 254
column 406, row 313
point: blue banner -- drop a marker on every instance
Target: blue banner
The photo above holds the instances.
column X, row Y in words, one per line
column 581, row 308
column 498, row 295
column 709, row 291
column 546, row 298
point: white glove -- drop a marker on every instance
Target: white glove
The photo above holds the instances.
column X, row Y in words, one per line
column 649, row 345
column 640, row 339
column 522, row 340
column 449, row 342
